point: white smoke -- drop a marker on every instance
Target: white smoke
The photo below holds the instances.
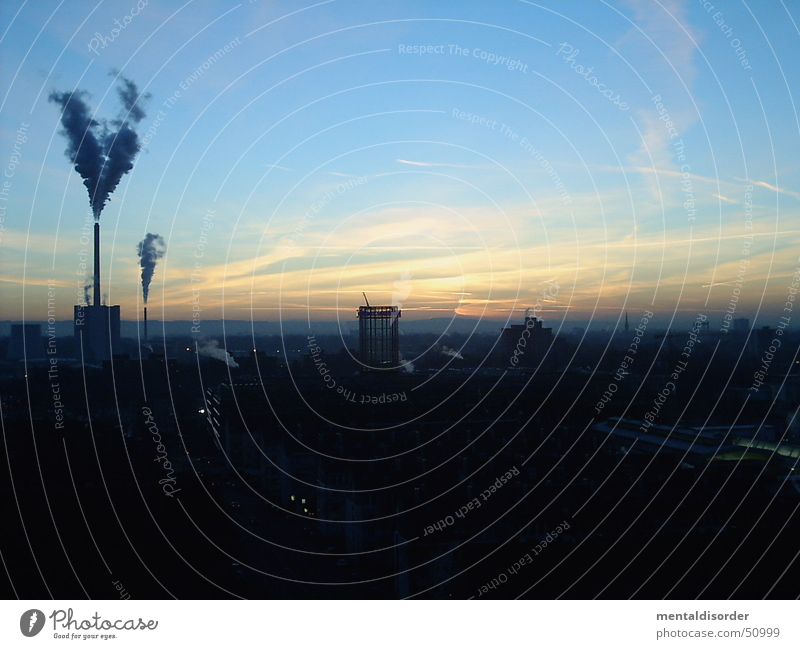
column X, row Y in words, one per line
column 451, row 352
column 211, row 349
column 402, row 289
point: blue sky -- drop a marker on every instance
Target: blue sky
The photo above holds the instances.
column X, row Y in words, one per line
column 633, row 154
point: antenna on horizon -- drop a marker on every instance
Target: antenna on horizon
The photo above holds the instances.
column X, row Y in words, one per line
column 365, row 297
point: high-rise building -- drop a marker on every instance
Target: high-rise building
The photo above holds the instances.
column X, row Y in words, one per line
column 379, row 337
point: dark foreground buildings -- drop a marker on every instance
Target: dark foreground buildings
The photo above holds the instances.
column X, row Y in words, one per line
column 178, row 474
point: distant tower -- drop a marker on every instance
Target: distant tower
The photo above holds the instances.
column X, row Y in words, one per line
column 626, row 322
column 379, row 337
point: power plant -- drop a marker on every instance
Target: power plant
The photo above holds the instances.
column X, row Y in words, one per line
column 102, row 152
column 96, row 325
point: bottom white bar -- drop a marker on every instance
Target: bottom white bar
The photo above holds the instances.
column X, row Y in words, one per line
column 356, row 624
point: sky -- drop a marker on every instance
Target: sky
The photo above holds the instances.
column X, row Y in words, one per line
column 467, row 159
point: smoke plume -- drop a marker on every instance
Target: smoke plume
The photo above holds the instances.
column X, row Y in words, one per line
column 101, row 152
column 451, row 352
column 151, row 249
column 210, row 348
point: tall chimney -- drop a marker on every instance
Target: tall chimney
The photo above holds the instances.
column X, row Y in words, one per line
column 96, row 264
column 145, row 324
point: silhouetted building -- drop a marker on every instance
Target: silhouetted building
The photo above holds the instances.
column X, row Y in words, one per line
column 526, row 342
column 25, row 342
column 710, row 443
column 760, row 340
column 100, row 326
column 379, row 337
column 741, row 325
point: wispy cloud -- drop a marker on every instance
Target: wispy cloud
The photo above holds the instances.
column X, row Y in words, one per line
column 670, row 173
column 773, row 188
column 663, row 36
column 450, row 165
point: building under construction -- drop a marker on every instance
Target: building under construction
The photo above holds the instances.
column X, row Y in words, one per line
column 96, row 324
column 379, row 337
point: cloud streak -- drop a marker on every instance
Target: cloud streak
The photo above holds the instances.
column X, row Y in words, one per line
column 773, row 188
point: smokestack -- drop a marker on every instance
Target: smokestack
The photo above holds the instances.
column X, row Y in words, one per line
column 145, row 324
column 97, row 264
